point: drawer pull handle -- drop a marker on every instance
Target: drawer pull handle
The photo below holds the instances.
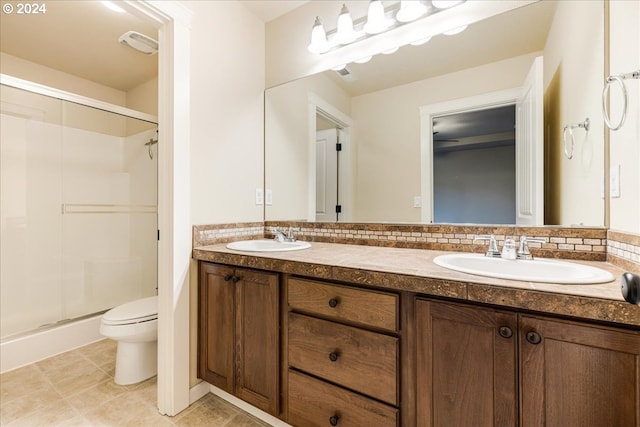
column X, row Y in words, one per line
column 333, row 303
column 333, row 420
column 505, row 332
column 333, row 356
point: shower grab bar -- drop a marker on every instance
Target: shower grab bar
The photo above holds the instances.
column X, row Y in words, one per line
column 619, row 79
column 584, row 125
column 83, row 208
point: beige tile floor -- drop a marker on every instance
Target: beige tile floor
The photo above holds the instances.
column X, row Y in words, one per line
column 77, row 389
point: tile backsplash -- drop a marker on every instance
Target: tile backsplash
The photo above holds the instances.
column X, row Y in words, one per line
column 559, row 242
column 623, row 250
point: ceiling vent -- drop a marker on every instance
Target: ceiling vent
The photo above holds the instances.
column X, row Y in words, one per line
column 139, row 42
column 346, row 74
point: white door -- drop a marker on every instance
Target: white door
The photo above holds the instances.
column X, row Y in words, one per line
column 530, row 149
column 327, row 175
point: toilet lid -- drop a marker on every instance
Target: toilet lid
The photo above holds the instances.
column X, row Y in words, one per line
column 138, row 310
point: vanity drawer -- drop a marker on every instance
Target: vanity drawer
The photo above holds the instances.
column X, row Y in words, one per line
column 314, row 403
column 361, row 360
column 370, row 308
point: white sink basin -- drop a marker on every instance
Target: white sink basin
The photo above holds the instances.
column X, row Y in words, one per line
column 267, row 246
column 536, row 270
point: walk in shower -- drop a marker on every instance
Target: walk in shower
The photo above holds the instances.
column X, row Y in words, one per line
column 78, row 205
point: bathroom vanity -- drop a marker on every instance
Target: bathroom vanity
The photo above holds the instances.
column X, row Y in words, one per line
column 347, row 335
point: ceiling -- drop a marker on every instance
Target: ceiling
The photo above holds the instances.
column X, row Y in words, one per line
column 268, row 10
column 81, row 38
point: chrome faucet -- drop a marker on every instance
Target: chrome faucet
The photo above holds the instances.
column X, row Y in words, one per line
column 282, row 237
column 523, row 249
column 492, row 251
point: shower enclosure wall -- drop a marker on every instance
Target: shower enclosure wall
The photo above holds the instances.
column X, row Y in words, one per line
column 78, row 210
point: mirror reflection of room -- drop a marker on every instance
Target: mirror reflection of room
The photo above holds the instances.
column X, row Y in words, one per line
column 387, row 178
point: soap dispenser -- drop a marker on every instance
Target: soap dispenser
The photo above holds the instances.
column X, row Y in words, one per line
column 509, row 249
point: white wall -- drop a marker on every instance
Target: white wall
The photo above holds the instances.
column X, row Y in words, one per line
column 578, row 27
column 227, row 84
column 625, row 143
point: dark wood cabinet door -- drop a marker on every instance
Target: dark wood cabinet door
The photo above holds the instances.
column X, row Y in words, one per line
column 257, row 335
column 574, row 374
column 466, row 366
column 216, row 326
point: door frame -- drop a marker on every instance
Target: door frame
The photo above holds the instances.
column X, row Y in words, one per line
column 428, row 113
column 317, row 105
column 173, row 21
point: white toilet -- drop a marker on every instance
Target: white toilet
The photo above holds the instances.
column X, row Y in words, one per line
column 134, row 325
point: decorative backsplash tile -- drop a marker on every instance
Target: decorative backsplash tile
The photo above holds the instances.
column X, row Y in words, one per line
column 623, row 250
column 204, row 235
column 559, row 242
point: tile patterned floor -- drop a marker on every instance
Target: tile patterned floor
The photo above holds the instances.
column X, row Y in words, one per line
column 77, row 389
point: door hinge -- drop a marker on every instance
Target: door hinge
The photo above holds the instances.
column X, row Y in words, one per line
column 338, row 208
column 338, row 147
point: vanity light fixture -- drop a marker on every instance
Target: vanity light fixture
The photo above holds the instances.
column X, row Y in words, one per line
column 319, row 43
column 345, row 33
column 377, row 21
column 410, row 10
column 445, row 4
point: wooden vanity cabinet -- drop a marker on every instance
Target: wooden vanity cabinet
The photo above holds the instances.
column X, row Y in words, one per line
column 575, row 374
column 483, row 367
column 466, row 366
column 238, row 343
column 343, row 352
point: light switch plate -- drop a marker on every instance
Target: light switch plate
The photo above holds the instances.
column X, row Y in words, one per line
column 614, row 181
column 268, row 199
column 259, row 197
column 417, row 202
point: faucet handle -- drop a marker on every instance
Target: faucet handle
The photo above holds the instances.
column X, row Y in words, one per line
column 523, row 249
column 492, row 251
column 290, row 236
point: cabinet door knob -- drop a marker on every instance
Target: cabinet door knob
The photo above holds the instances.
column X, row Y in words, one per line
column 228, row 277
column 235, row 279
column 505, row 332
column 333, row 302
column 533, row 337
column 333, row 356
column 333, row 420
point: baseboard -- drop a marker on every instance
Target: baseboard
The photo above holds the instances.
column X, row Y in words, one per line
column 198, row 391
column 258, row 413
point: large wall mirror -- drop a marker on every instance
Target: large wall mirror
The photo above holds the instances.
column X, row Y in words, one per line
column 430, row 133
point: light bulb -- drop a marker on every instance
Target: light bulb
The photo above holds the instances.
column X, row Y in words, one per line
column 444, row 4
column 456, row 30
column 377, row 22
column 345, row 33
column 319, row 42
column 390, row 51
column 410, row 10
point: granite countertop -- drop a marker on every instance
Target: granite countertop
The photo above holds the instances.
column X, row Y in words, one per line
column 413, row 270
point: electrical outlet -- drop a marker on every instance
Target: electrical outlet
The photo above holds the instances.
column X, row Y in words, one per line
column 259, row 197
column 268, row 199
column 417, row 202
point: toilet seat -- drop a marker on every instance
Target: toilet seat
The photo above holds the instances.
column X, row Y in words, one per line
column 139, row 311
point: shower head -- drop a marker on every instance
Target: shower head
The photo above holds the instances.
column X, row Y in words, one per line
column 139, row 42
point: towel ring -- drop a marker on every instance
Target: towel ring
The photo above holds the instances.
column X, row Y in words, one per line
column 569, row 128
column 619, row 79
